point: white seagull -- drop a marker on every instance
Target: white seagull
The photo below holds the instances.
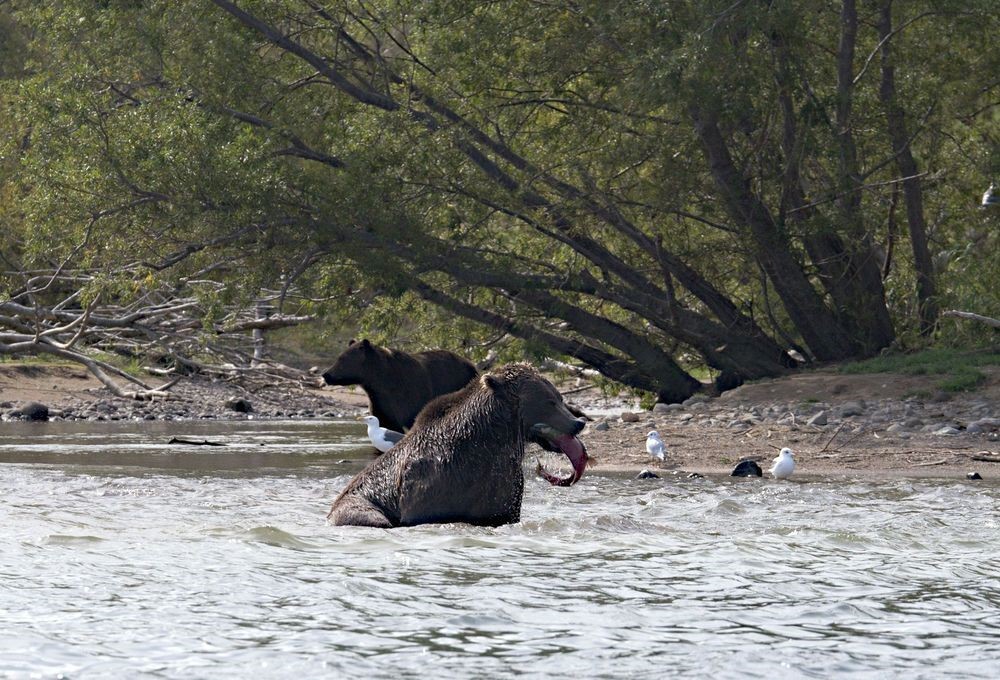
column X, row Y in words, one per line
column 381, row 438
column 991, row 197
column 784, row 464
column 655, row 447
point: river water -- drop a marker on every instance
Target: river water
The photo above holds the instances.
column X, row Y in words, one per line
column 123, row 556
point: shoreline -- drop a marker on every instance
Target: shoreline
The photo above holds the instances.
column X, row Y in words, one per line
column 839, row 426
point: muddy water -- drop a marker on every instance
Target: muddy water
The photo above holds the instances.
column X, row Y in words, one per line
column 122, row 556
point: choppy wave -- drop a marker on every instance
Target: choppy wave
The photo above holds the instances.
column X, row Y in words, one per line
column 113, row 568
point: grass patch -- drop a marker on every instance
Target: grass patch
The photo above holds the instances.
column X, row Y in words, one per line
column 35, row 360
column 962, row 380
column 959, row 371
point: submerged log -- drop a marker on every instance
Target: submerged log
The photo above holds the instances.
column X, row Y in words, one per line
column 192, row 442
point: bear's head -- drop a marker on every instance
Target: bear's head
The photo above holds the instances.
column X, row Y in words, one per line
column 354, row 365
column 543, row 415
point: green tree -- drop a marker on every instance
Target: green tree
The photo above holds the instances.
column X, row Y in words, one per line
column 641, row 186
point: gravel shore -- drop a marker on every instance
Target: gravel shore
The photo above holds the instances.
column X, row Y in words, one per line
column 885, row 425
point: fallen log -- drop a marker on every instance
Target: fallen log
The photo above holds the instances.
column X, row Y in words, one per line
column 192, row 442
column 989, row 321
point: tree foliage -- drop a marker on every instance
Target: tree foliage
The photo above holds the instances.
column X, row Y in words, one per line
column 644, row 187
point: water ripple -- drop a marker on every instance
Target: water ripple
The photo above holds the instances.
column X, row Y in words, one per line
column 124, row 570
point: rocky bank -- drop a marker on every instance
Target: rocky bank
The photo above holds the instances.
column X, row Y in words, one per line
column 881, row 424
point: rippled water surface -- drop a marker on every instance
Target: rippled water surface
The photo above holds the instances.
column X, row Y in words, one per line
column 122, row 556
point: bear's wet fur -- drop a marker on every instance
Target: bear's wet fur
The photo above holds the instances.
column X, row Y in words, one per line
column 462, row 461
column 399, row 384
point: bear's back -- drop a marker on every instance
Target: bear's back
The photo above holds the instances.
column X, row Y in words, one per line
column 446, row 370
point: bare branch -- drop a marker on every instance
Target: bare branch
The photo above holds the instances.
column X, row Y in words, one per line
column 989, row 321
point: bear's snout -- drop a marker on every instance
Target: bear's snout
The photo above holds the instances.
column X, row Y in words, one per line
column 578, row 425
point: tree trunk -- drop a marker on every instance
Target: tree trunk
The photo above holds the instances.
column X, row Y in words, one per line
column 527, row 202
column 820, row 329
column 848, row 272
column 853, row 276
column 912, row 188
column 648, row 357
column 670, row 385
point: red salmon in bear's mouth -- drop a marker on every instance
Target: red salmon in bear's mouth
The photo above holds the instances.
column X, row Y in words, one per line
column 572, row 447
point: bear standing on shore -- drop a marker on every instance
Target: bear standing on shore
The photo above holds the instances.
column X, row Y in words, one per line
column 461, row 462
column 399, row 384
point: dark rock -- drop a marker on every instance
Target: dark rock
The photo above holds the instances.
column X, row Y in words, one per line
column 747, row 468
column 695, row 475
column 973, row 475
column 851, row 408
column 947, row 430
column 985, row 425
column 647, row 474
column 239, row 404
column 31, row 411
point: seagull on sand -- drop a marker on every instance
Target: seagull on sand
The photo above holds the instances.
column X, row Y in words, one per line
column 382, row 439
column 784, row 464
column 655, row 447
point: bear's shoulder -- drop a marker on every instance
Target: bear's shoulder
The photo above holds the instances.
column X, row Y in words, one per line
column 439, row 407
column 442, row 359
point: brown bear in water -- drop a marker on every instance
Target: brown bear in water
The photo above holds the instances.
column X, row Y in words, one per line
column 461, row 462
column 399, row 384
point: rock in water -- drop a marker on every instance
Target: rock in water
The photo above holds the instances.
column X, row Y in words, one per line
column 747, row 468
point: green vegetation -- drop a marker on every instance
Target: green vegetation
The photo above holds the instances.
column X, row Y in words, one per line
column 659, row 191
column 959, row 370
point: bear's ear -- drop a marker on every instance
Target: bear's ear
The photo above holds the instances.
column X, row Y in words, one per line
column 365, row 344
column 351, row 342
column 491, row 382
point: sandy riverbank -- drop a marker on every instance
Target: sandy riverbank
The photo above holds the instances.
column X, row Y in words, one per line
column 838, row 425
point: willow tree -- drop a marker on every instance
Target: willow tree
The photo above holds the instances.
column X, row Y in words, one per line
column 626, row 185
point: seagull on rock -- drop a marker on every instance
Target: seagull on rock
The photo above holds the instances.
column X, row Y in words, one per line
column 784, row 464
column 655, row 447
column 382, row 439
